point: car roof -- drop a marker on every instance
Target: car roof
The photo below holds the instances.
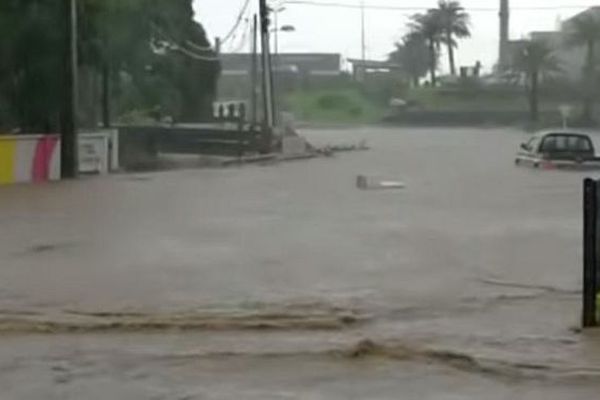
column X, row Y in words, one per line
column 560, row 132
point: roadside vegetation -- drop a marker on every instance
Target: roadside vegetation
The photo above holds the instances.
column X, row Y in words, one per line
column 338, row 106
column 133, row 55
column 535, row 81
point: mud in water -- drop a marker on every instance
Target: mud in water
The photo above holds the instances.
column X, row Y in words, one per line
column 465, row 284
column 299, row 317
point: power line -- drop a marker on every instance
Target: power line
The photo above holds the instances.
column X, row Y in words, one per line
column 193, row 55
column 237, row 23
column 243, row 39
column 238, row 40
column 408, row 8
column 167, row 43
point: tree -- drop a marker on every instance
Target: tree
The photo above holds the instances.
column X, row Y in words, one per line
column 115, row 39
column 585, row 31
column 412, row 54
column 454, row 23
column 30, row 63
column 176, row 81
column 534, row 59
column 428, row 27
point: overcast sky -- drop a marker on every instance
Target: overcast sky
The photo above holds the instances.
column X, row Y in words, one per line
column 323, row 29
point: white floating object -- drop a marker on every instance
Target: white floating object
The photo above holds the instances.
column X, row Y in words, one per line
column 391, row 185
column 365, row 183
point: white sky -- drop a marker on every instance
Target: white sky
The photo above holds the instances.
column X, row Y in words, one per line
column 323, row 29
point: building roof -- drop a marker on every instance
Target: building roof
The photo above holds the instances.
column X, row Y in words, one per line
column 593, row 11
column 327, row 63
column 373, row 64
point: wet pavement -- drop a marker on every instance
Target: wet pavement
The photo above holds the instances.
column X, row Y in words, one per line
column 287, row 281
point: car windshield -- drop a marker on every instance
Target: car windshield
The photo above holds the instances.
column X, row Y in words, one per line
column 299, row 199
column 533, row 143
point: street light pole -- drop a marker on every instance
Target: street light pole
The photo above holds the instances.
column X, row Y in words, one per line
column 276, row 29
column 69, row 157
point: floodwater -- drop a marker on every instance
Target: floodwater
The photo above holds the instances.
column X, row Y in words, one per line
column 287, row 282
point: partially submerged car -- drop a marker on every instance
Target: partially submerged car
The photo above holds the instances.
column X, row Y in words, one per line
column 557, row 149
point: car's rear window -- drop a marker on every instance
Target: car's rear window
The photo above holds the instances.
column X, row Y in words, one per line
column 566, row 143
column 579, row 143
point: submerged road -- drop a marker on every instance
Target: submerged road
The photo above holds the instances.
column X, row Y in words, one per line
column 287, row 281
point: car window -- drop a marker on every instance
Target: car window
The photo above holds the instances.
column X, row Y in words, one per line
column 549, row 144
column 579, row 143
column 562, row 143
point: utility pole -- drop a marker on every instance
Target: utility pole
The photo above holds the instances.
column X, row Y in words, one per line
column 276, row 30
column 218, row 45
column 267, row 84
column 254, row 73
column 362, row 32
column 69, row 143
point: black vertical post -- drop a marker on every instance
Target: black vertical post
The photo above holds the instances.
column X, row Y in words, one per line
column 105, row 94
column 590, row 252
column 69, row 159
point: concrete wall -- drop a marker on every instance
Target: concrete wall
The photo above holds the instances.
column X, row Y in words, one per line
column 467, row 118
column 29, row 158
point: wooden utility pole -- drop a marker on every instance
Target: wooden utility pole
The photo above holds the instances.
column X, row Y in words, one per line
column 106, row 94
column 254, row 73
column 267, row 73
column 69, row 144
column 218, row 45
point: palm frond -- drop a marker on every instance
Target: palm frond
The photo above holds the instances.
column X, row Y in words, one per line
column 536, row 57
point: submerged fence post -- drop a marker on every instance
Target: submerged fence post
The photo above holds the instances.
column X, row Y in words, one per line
column 590, row 252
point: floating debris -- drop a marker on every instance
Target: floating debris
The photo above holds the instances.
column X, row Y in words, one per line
column 366, row 183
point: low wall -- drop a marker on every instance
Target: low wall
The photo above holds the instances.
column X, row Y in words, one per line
column 465, row 118
column 29, row 158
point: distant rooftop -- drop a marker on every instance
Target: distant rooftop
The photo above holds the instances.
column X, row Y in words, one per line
column 590, row 11
column 373, row 64
column 311, row 63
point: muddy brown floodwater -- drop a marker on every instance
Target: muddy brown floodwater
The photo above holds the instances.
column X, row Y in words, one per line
column 286, row 282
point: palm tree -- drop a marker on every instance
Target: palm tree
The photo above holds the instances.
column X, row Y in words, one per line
column 534, row 59
column 454, row 25
column 585, row 31
column 428, row 27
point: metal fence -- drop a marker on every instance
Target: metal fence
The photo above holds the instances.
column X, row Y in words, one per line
column 591, row 252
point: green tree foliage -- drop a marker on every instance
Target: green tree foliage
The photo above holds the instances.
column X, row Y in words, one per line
column 29, row 61
column 454, row 24
column 412, row 54
column 534, row 59
column 117, row 43
column 585, row 31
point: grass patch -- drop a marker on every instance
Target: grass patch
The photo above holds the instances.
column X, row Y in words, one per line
column 334, row 106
